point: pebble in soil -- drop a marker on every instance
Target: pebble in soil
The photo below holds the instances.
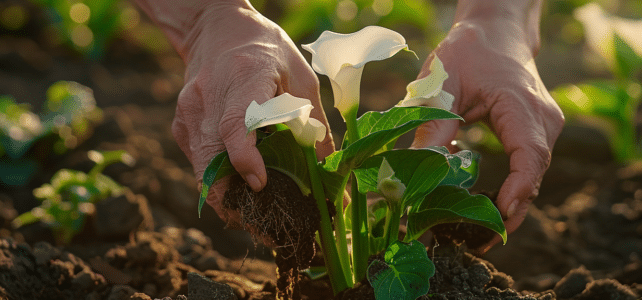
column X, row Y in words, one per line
column 281, row 213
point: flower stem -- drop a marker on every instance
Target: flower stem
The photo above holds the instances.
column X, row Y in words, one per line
column 350, row 117
column 360, row 242
column 330, row 254
column 391, row 228
column 340, row 228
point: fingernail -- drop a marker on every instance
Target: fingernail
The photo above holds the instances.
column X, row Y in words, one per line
column 254, row 182
column 511, row 209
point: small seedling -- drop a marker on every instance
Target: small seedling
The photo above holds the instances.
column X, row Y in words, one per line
column 426, row 184
column 70, row 196
column 67, row 118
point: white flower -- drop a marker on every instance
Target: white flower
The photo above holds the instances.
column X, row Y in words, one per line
column 342, row 56
column 428, row 91
column 293, row 111
column 388, row 185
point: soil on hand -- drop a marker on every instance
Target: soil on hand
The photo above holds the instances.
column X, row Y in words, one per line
column 284, row 215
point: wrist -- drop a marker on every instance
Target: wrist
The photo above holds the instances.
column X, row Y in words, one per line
column 517, row 20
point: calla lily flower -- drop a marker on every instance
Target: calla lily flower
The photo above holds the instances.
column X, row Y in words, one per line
column 428, row 91
column 293, row 112
column 388, row 185
column 342, row 56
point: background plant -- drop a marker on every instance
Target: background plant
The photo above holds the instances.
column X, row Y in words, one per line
column 66, row 118
column 70, row 196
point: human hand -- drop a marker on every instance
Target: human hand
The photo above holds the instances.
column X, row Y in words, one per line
column 234, row 55
column 493, row 77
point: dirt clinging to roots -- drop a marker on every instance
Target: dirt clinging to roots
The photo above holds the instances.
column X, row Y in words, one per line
column 282, row 213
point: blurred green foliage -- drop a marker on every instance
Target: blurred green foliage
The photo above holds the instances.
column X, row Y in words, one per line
column 66, row 119
column 608, row 105
column 84, row 25
column 308, row 18
column 70, row 196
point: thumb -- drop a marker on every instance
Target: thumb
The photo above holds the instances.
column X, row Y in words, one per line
column 436, row 133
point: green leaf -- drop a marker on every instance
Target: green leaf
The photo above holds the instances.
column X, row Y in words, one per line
column 627, row 62
column 420, row 170
column 607, row 106
column 378, row 129
column 464, row 169
column 403, row 274
column 377, row 217
column 279, row 151
column 451, row 204
column 316, row 272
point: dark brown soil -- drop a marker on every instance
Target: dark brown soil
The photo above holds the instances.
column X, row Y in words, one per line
column 283, row 214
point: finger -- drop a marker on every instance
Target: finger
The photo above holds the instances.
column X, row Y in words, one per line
column 521, row 186
column 525, row 141
column 436, row 133
column 240, row 145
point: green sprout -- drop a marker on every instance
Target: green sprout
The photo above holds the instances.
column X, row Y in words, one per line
column 70, row 196
column 429, row 185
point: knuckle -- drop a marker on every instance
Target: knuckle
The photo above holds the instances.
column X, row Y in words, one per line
column 541, row 152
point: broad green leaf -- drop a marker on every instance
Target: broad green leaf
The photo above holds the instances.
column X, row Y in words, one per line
column 464, row 169
column 378, row 129
column 279, row 151
column 421, row 170
column 403, row 274
column 450, row 204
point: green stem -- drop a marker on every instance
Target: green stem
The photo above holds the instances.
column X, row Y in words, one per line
column 391, row 229
column 350, row 117
column 360, row 242
column 340, row 228
column 330, row 254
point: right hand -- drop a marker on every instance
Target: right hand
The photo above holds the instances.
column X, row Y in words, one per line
column 233, row 56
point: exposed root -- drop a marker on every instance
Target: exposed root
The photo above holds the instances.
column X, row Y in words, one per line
column 281, row 213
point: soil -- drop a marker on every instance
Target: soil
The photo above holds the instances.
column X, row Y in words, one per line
column 582, row 238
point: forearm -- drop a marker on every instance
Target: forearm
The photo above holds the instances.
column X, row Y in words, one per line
column 180, row 18
column 519, row 18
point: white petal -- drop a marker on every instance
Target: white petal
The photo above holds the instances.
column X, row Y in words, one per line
column 443, row 100
column 342, row 56
column 308, row 133
column 277, row 110
column 345, row 88
column 431, row 85
column 332, row 51
column 428, row 91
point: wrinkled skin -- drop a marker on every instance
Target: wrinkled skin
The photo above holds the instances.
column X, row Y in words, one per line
column 493, row 77
column 236, row 57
